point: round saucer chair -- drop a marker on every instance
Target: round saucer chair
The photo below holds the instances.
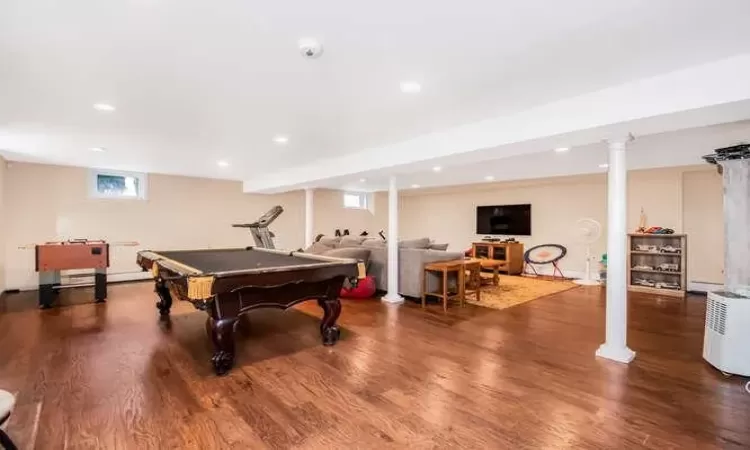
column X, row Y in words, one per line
column 544, row 254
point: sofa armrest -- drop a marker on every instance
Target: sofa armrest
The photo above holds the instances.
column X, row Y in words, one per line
column 411, row 267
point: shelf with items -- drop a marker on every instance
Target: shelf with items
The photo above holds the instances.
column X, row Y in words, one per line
column 636, row 252
column 665, row 272
column 657, row 264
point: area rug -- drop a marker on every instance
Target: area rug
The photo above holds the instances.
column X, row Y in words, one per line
column 513, row 291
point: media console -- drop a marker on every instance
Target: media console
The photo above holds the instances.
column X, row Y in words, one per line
column 509, row 255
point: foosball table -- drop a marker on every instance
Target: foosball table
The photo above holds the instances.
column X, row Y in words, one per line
column 53, row 257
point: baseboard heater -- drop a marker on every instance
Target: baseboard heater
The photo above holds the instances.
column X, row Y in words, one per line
column 703, row 287
column 74, row 280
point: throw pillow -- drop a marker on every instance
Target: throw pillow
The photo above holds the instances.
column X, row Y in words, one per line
column 332, row 242
column 351, row 241
column 439, row 247
column 415, row 243
column 374, row 243
column 317, row 248
column 358, row 253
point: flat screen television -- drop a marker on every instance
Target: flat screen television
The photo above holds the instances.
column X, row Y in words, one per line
column 510, row 220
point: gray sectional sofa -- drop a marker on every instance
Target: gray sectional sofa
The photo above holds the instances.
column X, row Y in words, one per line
column 412, row 256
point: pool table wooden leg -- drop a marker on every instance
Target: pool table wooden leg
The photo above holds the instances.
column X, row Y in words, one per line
column 165, row 298
column 222, row 334
column 329, row 331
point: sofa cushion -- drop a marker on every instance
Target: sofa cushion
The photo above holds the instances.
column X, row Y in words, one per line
column 351, row 241
column 439, row 247
column 332, row 242
column 415, row 243
column 358, row 253
column 373, row 243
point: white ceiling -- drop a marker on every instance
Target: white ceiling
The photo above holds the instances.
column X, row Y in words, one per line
column 195, row 82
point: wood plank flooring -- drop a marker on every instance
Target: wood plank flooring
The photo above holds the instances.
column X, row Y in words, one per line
column 109, row 376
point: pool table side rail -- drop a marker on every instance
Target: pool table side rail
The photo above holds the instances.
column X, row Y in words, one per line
column 147, row 259
column 255, row 249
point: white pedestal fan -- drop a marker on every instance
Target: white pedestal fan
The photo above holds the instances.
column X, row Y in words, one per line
column 586, row 232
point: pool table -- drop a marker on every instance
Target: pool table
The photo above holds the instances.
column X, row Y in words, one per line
column 229, row 282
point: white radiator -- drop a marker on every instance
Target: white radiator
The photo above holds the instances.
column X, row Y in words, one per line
column 726, row 340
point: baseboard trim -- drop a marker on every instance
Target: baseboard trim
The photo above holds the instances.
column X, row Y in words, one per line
column 700, row 287
column 121, row 277
column 548, row 270
column 693, row 286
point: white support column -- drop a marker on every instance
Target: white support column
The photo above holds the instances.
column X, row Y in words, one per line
column 392, row 295
column 615, row 346
column 309, row 217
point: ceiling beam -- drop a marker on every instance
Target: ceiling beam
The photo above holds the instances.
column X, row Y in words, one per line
column 701, row 95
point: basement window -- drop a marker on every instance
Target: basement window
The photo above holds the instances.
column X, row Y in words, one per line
column 355, row 200
column 117, row 184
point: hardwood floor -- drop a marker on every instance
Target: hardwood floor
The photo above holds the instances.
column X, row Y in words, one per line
column 109, row 376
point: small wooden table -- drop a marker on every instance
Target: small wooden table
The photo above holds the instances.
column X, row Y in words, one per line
column 459, row 267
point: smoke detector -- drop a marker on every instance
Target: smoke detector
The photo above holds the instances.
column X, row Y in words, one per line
column 310, row 48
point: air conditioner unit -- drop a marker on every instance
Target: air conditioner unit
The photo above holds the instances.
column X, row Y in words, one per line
column 726, row 341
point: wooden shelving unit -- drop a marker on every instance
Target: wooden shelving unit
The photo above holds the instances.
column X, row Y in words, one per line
column 643, row 264
column 509, row 255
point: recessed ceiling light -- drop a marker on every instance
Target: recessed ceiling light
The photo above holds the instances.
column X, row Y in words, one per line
column 410, row 87
column 414, row 186
column 362, row 180
column 97, row 149
column 603, row 166
column 281, row 139
column 489, row 178
column 437, row 169
column 222, row 163
column 104, row 107
column 562, row 149
column 310, row 48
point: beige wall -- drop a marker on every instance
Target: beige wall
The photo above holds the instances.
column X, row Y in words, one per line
column 659, row 193
column 330, row 214
column 555, row 206
column 44, row 202
column 2, row 225
column 703, row 218
column 673, row 198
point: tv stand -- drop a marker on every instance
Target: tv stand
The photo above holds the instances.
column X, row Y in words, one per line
column 509, row 255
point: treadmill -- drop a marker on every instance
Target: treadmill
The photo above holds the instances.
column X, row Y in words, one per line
column 259, row 229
